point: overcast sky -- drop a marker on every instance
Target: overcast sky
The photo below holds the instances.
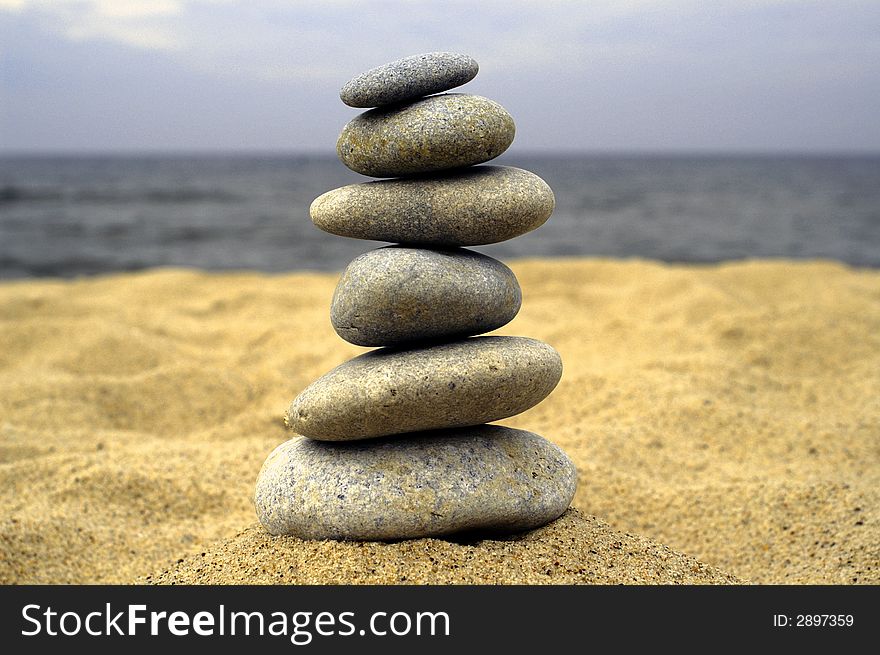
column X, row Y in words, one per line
column 606, row 75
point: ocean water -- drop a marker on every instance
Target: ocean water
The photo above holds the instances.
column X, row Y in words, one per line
column 73, row 216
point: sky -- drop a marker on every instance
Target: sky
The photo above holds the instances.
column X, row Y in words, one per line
column 764, row 76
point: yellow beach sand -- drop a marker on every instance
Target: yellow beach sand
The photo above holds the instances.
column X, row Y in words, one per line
column 725, row 421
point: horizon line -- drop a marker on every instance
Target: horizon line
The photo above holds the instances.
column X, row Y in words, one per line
column 544, row 152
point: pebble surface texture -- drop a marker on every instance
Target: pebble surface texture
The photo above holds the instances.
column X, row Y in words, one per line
column 393, row 442
column 392, row 391
column 431, row 134
column 486, row 478
column 475, row 206
column 396, row 295
column 409, row 78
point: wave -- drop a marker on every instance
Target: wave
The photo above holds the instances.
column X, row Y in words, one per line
column 11, row 194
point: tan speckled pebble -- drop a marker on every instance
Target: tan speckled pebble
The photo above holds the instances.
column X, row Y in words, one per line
column 428, row 484
column 391, row 391
column 469, row 207
column 395, row 295
column 431, row 134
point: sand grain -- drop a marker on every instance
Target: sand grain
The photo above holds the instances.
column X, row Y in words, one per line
column 730, row 413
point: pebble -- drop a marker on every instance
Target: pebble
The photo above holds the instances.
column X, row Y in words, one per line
column 471, row 207
column 486, row 478
column 395, row 295
column 391, row 391
column 409, row 78
column 431, row 134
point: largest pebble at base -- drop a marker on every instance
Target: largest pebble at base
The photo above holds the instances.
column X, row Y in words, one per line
column 486, row 477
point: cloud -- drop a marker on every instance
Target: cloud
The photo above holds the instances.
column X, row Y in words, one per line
column 138, row 23
column 106, row 8
column 299, row 40
column 599, row 74
column 302, row 40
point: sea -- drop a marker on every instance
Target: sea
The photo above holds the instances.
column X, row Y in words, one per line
column 70, row 216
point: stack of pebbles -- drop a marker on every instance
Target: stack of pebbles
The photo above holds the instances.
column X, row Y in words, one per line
column 394, row 444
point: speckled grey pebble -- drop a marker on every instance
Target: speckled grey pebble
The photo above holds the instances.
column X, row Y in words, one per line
column 431, row 134
column 483, row 478
column 409, row 78
column 395, row 295
column 469, row 207
column 391, row 391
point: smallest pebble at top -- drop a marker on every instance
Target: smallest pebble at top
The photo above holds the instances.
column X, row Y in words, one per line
column 409, row 78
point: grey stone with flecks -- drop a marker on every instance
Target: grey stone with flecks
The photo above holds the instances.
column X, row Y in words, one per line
column 393, row 390
column 396, row 295
column 409, row 78
column 432, row 134
column 483, row 478
column 468, row 207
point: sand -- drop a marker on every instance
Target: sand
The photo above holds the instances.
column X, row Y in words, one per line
column 725, row 421
column 575, row 549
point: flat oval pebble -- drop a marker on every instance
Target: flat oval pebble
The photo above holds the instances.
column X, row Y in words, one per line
column 391, row 391
column 431, row 134
column 475, row 206
column 483, row 478
column 396, row 295
column 409, row 78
